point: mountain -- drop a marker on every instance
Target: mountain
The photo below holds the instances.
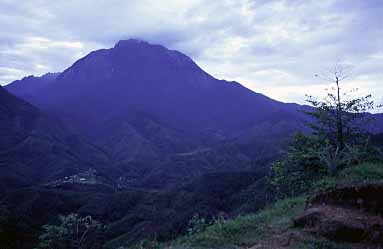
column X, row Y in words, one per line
column 139, row 137
column 160, row 117
column 36, row 149
column 27, row 86
column 133, row 214
column 153, row 109
column 135, row 76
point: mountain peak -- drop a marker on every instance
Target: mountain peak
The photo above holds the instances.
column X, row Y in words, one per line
column 130, row 42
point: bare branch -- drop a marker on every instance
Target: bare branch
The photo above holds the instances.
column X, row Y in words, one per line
column 338, row 73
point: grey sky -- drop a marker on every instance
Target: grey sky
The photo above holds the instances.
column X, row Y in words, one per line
column 272, row 47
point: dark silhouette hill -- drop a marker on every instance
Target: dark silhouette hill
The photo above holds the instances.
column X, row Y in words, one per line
column 136, row 76
column 160, row 117
column 134, row 214
column 147, row 105
column 36, row 149
column 141, row 138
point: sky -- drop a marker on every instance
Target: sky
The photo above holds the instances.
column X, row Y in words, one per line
column 274, row 47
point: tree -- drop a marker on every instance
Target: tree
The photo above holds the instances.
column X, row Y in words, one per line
column 72, row 232
column 339, row 136
column 340, row 117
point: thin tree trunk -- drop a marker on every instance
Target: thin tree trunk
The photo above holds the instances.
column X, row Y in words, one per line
column 339, row 118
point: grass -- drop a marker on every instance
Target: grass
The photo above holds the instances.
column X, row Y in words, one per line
column 246, row 231
column 319, row 243
column 359, row 174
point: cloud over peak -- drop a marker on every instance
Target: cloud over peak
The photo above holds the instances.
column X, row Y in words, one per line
column 274, row 47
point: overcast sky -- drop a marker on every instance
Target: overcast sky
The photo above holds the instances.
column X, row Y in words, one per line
column 272, row 47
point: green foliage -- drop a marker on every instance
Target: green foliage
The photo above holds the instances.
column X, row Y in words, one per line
column 301, row 166
column 310, row 159
column 197, row 224
column 362, row 173
column 147, row 244
column 351, row 114
column 339, row 117
column 245, row 231
column 369, row 172
column 319, row 243
column 338, row 140
column 335, row 159
column 72, row 231
column 144, row 244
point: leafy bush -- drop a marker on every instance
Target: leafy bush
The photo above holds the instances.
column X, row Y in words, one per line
column 72, row 231
column 311, row 158
column 362, row 173
column 338, row 139
column 245, row 231
column 197, row 224
column 300, row 167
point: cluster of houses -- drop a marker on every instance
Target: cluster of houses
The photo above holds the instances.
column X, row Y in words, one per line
column 86, row 177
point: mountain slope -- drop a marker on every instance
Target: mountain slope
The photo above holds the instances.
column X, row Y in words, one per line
column 343, row 211
column 28, row 86
column 137, row 76
column 135, row 214
column 36, row 149
column 145, row 105
column 160, row 117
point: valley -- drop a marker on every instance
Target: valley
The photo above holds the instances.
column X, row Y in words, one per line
column 140, row 138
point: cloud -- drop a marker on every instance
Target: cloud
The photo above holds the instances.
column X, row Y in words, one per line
column 271, row 46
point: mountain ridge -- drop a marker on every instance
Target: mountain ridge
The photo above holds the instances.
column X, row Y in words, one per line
column 144, row 104
column 140, row 138
column 119, row 64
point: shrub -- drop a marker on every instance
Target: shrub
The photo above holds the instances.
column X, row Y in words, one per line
column 197, row 224
column 72, row 231
column 300, row 167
